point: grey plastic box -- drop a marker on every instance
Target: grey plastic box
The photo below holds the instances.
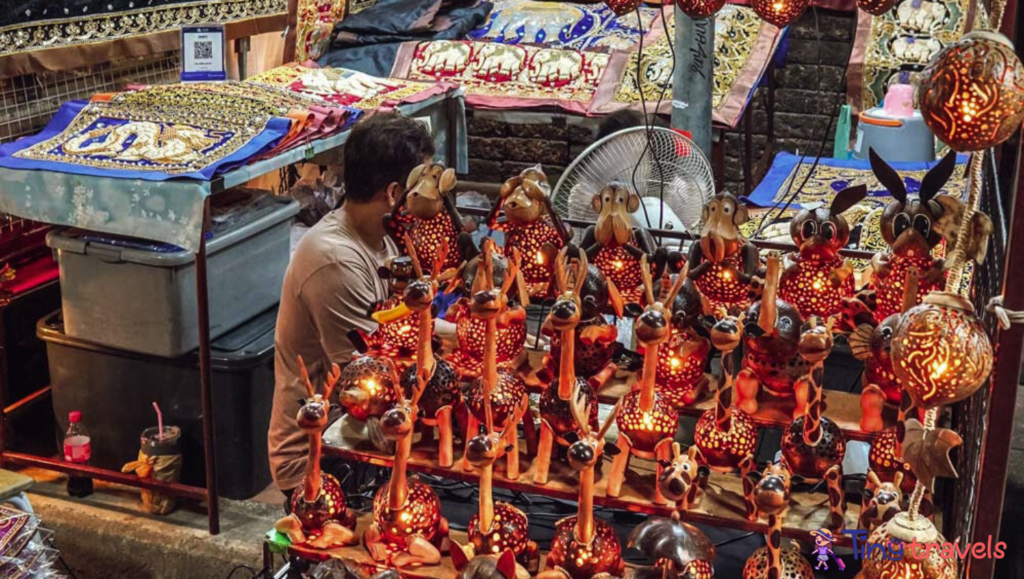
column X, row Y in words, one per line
column 145, row 301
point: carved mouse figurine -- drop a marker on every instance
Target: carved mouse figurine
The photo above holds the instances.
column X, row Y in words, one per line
column 723, row 263
column 614, row 246
column 908, row 227
column 818, row 278
column 427, row 211
column 531, row 226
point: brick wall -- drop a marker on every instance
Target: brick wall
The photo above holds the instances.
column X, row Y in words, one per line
column 500, row 145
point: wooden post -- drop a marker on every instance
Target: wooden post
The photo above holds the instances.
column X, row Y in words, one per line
column 693, row 79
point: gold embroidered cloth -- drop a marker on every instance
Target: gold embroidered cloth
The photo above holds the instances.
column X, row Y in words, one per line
column 346, row 87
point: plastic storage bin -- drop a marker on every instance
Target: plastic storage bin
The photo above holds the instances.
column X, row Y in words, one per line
column 118, row 294
column 115, row 390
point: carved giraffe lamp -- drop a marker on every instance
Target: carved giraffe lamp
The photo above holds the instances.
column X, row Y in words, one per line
column 684, row 479
column 768, row 493
column 407, row 528
column 813, row 446
column 531, row 225
column 885, row 458
column 770, row 342
column 723, row 263
column 556, row 417
column 442, row 392
column 585, row 547
column 505, row 391
column 319, row 513
column 725, row 434
column 647, row 422
column 497, row 527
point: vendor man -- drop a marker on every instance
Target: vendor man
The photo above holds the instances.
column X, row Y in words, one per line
column 332, row 279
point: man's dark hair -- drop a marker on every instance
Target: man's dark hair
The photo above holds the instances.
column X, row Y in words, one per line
column 382, row 150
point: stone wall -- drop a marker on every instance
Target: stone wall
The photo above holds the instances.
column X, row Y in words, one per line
column 501, row 144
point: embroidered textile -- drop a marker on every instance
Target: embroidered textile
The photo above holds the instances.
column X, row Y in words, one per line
column 45, row 24
column 347, row 87
column 894, row 47
column 563, row 25
column 130, row 141
column 314, row 24
column 744, row 45
column 506, row 76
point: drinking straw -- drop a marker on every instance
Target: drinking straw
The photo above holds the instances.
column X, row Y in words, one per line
column 159, row 421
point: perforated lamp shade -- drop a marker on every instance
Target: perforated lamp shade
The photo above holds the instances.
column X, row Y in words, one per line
column 876, row 7
column 972, row 92
column 697, row 9
column 903, row 529
column 781, row 13
column 940, row 351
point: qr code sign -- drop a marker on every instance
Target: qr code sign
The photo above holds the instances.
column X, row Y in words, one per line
column 202, row 50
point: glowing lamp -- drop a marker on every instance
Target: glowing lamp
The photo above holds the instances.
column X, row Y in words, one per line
column 723, row 449
column 722, row 286
column 901, row 531
column 510, row 531
column 590, row 357
column 698, row 9
column 468, row 357
column 972, row 92
column 781, row 13
column 421, row 514
column 622, row 7
column 940, row 351
column 890, row 293
column 622, row 269
column 506, row 394
column 367, row 387
column 810, row 289
column 583, row 561
column 876, row 7
column 681, row 364
column 646, row 429
column 328, row 506
column 792, row 564
column 813, row 461
column 529, row 239
column 399, row 335
column 428, row 235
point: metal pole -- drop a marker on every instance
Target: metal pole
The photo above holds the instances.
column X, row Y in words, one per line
column 206, row 377
column 692, row 78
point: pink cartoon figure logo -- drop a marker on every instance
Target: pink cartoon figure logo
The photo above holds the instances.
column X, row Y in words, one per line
column 823, row 540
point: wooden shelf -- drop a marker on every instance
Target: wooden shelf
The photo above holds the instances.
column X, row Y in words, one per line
column 722, row 505
column 359, row 556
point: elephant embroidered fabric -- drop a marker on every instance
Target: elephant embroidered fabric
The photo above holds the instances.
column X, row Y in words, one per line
column 744, row 45
column 349, row 88
column 564, row 25
column 895, row 47
column 120, row 140
column 503, row 76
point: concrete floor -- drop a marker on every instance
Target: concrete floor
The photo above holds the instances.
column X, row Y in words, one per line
column 106, row 536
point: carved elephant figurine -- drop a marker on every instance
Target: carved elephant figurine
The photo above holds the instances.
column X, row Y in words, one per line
column 445, row 57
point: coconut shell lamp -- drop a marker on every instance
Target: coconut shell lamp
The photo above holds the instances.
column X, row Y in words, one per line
column 497, row 527
column 426, row 211
column 556, row 418
column 819, row 279
column 876, row 7
column 442, row 393
column 647, row 422
column 682, row 360
column 396, row 335
column 679, row 549
column 698, row 9
column 910, row 227
column 771, row 340
column 319, row 517
column 407, row 528
column 583, row 546
column 722, row 264
column 531, row 225
column 901, row 531
column 781, row 13
column 725, row 435
column 972, row 92
column 767, row 493
column 613, row 245
column 504, row 392
column 813, row 446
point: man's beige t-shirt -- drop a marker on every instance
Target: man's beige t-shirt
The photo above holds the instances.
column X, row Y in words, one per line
column 329, row 286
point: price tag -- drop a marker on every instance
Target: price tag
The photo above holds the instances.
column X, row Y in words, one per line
column 202, row 53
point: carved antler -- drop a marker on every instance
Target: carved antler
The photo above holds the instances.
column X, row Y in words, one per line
column 645, row 271
column 411, row 250
column 512, row 273
column 581, row 272
column 561, row 279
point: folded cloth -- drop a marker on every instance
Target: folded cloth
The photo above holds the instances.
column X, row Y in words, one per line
column 374, row 51
column 121, row 140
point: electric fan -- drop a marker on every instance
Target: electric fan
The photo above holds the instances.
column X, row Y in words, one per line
column 673, row 178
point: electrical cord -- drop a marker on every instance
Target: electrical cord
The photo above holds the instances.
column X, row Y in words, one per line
column 643, row 108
